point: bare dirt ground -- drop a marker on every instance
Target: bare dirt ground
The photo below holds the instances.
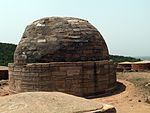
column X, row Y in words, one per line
column 131, row 100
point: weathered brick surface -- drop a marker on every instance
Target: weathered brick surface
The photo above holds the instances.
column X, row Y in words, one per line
column 60, row 39
column 77, row 78
column 62, row 54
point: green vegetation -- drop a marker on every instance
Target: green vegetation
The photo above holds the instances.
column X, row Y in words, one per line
column 117, row 58
column 7, row 51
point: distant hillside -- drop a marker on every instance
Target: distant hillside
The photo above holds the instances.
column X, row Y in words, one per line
column 117, row 58
column 7, row 51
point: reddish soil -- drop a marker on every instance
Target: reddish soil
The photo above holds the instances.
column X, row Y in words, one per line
column 127, row 101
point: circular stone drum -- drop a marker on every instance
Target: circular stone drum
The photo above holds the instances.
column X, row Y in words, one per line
column 62, row 54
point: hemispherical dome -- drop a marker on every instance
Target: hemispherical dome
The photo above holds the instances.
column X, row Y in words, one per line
column 60, row 39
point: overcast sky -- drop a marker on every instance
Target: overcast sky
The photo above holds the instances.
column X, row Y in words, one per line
column 124, row 24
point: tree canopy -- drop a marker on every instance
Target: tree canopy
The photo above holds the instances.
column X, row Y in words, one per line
column 117, row 58
column 6, row 53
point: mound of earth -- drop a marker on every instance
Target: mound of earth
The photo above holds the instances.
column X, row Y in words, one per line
column 51, row 102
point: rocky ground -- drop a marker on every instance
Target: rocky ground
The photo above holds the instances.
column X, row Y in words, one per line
column 4, row 88
column 129, row 98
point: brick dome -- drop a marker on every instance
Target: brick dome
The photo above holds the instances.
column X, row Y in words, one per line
column 62, row 54
column 60, row 39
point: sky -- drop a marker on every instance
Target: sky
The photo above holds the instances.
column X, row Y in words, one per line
column 124, row 24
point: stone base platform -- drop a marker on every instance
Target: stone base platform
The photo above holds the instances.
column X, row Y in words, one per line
column 77, row 78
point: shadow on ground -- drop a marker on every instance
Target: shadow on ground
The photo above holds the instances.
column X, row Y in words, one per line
column 120, row 87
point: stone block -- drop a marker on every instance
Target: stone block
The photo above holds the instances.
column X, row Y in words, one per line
column 54, row 68
column 73, row 72
column 59, row 73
